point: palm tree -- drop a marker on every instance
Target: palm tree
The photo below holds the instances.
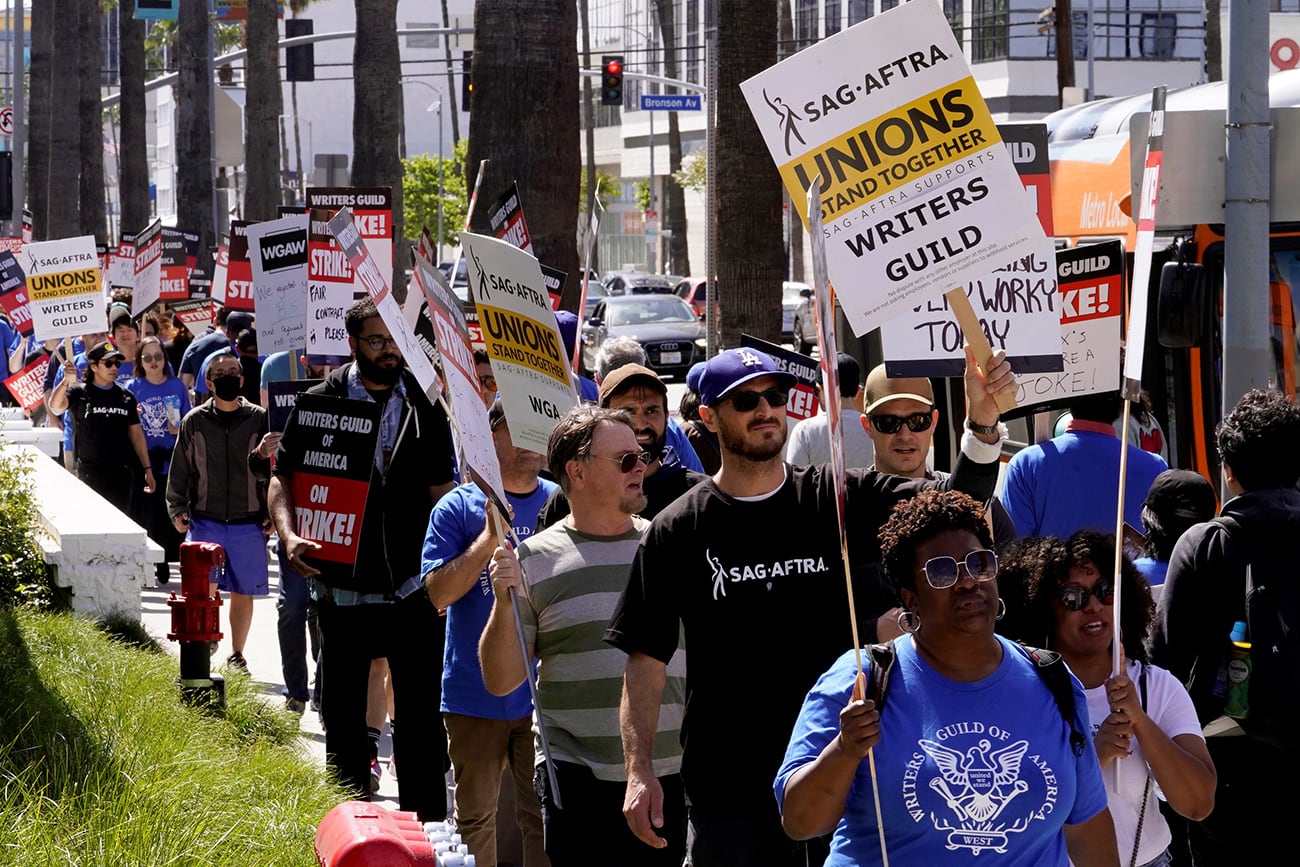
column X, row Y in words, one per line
column 92, row 212
column 750, row 255
column 194, row 190
column 377, row 115
column 674, row 196
column 262, row 109
column 132, row 164
column 52, row 190
column 524, row 119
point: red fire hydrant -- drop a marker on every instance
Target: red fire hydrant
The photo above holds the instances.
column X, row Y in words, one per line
column 196, row 621
column 359, row 834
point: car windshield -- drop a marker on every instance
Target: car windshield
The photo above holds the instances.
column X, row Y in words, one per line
column 650, row 309
column 790, row 294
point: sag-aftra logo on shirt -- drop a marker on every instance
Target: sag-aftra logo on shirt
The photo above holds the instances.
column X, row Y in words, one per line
column 763, row 571
column 93, row 410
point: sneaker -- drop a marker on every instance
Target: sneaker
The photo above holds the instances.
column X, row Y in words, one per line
column 295, row 705
column 236, row 660
column 376, row 772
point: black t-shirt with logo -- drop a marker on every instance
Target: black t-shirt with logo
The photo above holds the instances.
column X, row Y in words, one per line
column 102, row 418
column 758, row 587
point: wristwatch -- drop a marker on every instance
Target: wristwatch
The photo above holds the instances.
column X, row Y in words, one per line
column 983, row 429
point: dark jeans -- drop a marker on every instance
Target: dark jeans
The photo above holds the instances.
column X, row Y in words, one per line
column 1251, row 813
column 591, row 830
column 114, row 484
column 747, row 834
column 295, row 624
column 410, row 634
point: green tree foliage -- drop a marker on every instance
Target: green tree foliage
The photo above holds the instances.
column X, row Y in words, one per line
column 160, row 44
column 607, row 190
column 694, row 174
column 22, row 566
column 420, row 193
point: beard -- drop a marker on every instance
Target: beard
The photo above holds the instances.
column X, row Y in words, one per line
column 657, row 441
column 733, row 439
column 633, row 505
column 379, row 374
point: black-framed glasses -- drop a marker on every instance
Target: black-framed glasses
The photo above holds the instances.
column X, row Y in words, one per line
column 1076, row 598
column 377, row 342
column 111, row 362
column 747, row 401
column 627, row 461
column 943, row 572
column 892, row 424
column 151, row 358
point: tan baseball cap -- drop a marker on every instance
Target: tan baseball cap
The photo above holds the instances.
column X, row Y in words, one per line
column 881, row 389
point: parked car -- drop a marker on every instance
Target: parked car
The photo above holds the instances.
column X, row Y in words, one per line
column 803, row 326
column 665, row 325
column 459, row 285
column 636, row 283
column 595, row 292
column 792, row 295
column 692, row 290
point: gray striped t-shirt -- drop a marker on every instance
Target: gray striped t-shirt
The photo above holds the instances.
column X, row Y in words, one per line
column 573, row 583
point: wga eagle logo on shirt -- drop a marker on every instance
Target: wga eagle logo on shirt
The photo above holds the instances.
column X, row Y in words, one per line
column 763, row 571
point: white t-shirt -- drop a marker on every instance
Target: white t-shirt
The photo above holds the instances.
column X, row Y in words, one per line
column 1171, row 709
column 809, row 443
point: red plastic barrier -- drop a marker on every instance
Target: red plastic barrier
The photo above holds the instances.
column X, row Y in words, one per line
column 360, row 834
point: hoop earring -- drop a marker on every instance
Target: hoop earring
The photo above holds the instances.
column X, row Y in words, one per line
column 909, row 618
column 1002, row 608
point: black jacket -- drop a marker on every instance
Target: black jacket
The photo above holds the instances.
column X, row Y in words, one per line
column 398, row 505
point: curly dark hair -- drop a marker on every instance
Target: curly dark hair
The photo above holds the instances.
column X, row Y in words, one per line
column 1258, row 439
column 1019, row 565
column 1046, row 563
column 919, row 518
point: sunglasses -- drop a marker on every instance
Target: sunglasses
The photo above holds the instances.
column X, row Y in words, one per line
column 892, row 424
column 943, row 572
column 627, row 461
column 1076, row 598
column 110, row 362
column 151, row 358
column 747, row 401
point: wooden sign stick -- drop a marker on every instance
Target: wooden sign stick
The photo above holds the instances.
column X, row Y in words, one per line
column 979, row 344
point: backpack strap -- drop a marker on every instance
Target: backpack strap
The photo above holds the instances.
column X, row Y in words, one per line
column 1052, row 669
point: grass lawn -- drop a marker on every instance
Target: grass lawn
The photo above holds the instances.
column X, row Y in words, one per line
column 101, row 763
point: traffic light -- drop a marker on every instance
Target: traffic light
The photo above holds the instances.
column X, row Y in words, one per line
column 299, row 61
column 611, row 79
column 466, row 81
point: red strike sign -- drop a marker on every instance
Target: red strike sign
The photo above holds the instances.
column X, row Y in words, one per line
column 1089, row 302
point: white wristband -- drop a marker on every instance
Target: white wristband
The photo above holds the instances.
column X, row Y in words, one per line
column 981, row 452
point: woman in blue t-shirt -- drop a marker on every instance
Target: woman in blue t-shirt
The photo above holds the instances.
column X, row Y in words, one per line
column 162, row 401
column 971, row 754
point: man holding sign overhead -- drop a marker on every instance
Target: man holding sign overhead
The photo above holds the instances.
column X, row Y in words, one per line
column 356, row 531
column 748, row 563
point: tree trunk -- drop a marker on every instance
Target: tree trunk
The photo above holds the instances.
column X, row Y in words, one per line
column 1064, row 49
column 262, row 113
column 194, row 190
column 679, row 257
column 132, row 164
column 52, row 185
column 589, row 139
column 453, row 95
column 748, row 186
column 1213, row 41
column 525, row 120
column 377, row 116
column 794, row 248
column 92, row 212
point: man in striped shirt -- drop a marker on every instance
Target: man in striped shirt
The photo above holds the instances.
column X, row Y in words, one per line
column 575, row 571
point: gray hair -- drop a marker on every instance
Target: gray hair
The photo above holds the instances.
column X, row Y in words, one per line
column 572, row 436
column 616, row 352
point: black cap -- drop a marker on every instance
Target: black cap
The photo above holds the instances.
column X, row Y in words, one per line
column 101, row 351
column 1181, row 494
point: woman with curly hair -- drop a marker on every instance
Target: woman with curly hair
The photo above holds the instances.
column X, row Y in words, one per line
column 972, row 752
column 1143, row 716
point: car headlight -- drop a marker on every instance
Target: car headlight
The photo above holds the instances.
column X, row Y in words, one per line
column 702, row 344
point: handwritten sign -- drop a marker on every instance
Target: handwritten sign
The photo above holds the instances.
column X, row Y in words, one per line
column 278, row 254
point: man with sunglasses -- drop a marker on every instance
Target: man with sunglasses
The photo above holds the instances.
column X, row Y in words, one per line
column 749, row 565
column 106, row 426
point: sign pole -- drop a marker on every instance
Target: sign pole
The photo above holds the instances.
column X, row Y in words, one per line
column 979, row 344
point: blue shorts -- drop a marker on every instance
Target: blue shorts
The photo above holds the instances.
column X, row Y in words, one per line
column 246, row 559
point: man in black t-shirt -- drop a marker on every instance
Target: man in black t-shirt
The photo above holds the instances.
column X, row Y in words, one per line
column 748, row 564
column 106, row 426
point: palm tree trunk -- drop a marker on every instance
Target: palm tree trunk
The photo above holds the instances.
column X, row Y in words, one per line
column 194, row 189
column 674, row 196
column 53, row 189
column 132, row 162
column 92, row 213
column 784, row 48
column 589, row 133
column 377, row 115
column 262, row 112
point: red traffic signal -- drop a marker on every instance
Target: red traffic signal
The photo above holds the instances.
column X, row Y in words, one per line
column 611, row 79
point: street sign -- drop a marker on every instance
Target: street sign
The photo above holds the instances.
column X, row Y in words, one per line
column 670, row 102
column 7, row 120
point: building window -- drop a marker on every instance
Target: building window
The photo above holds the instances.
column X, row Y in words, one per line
column 952, row 10
column 989, row 30
column 832, row 16
column 859, row 10
column 886, row 5
column 694, row 50
column 1158, row 34
column 805, row 24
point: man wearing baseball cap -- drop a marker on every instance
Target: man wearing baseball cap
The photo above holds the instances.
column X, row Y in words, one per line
column 642, row 394
column 748, row 565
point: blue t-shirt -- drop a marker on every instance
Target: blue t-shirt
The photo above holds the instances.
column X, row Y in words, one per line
column 968, row 772
column 276, row 368
column 456, row 520
column 1071, row 483
column 682, row 448
column 200, row 349
column 1152, row 570
column 80, row 360
column 588, row 391
column 153, row 402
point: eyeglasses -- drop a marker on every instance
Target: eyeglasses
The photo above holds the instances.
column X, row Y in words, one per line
column 110, row 362
column 747, row 401
column 378, row 342
column 1076, row 598
column 943, row 572
column 489, row 383
column 627, row 461
column 892, row 424
column 147, row 359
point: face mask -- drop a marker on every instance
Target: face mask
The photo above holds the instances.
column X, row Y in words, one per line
column 226, row 387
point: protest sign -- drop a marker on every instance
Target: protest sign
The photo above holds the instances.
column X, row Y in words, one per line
column 469, row 416
column 64, row 291
column 220, row 268
column 329, row 293
column 195, row 314
column 239, row 269
column 10, row 244
column 803, row 401
column 147, row 281
column 522, row 339
column 278, row 253
column 175, row 266
column 336, row 443
column 367, row 272
column 1027, row 144
column 28, row 385
column 1139, row 289
column 200, row 284
column 506, row 220
column 916, row 186
column 13, row 293
column 121, row 264
column 372, row 213
column 282, row 397
column 1091, row 301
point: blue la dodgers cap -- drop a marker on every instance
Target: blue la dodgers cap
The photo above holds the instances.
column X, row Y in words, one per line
column 727, row 370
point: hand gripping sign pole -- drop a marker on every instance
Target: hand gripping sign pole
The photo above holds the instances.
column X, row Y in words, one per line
column 830, row 388
column 1135, row 344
